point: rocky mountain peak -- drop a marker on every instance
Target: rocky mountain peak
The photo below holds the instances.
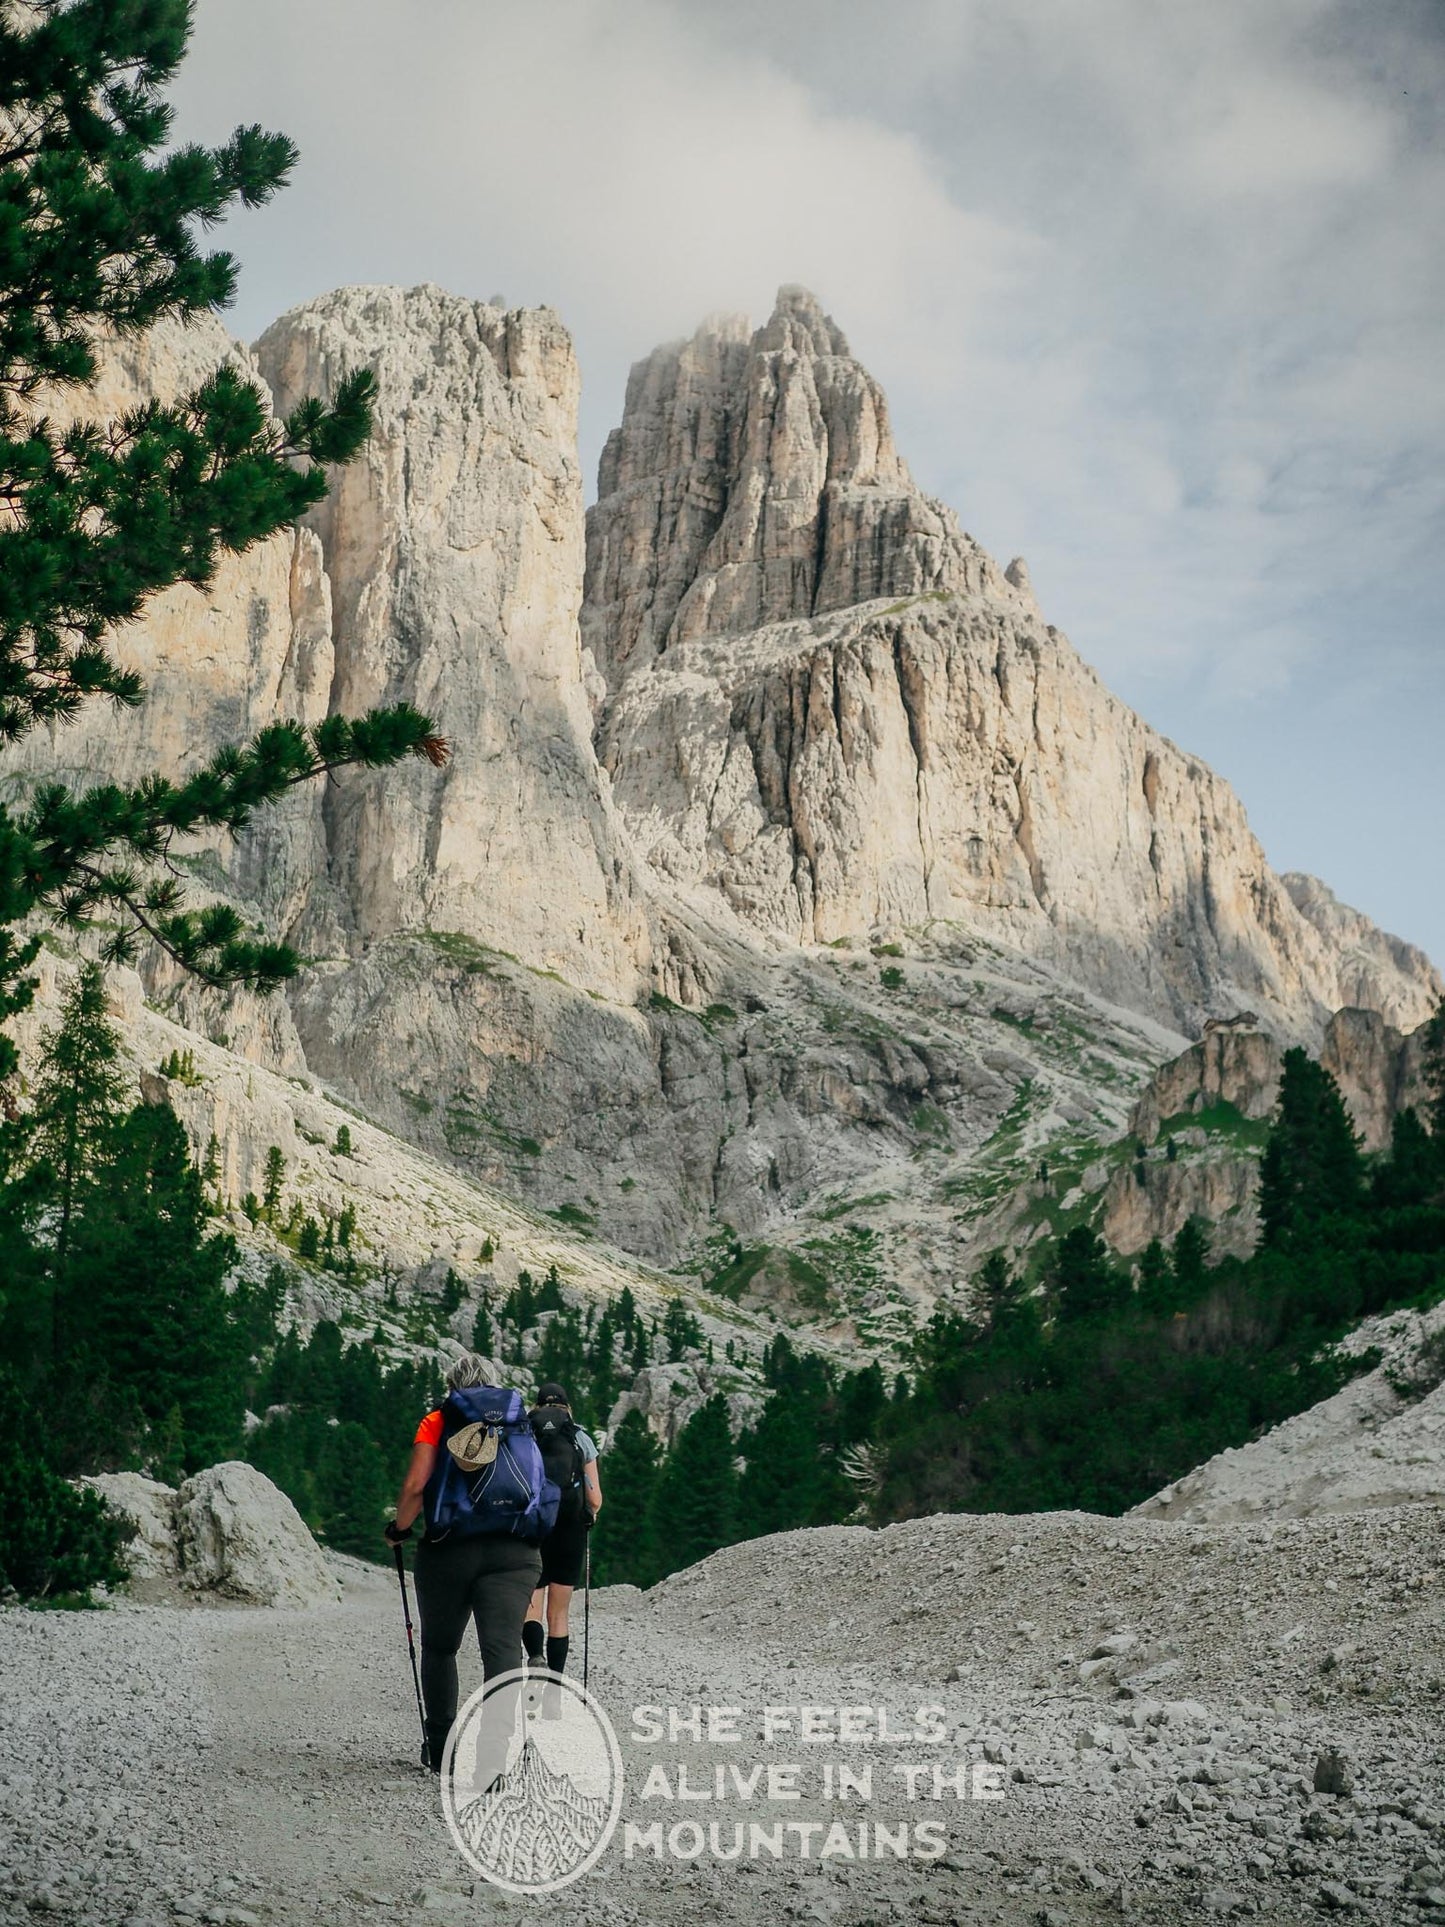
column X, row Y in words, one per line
column 587, row 965
column 831, row 716
column 755, row 479
column 799, row 325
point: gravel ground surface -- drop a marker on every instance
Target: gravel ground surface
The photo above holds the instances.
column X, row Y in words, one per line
column 164, row 1764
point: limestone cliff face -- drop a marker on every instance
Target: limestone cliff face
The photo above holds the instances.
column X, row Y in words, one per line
column 444, row 568
column 834, row 715
column 454, row 549
column 797, row 706
column 217, row 664
column 754, row 478
column 1216, row 1177
column 1363, row 956
column 1379, row 1072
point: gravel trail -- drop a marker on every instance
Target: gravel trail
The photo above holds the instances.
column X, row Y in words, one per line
column 164, row 1764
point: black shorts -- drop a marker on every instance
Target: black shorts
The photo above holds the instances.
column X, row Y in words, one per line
column 563, row 1552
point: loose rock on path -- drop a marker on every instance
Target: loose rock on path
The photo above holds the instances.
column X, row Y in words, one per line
column 1187, row 1723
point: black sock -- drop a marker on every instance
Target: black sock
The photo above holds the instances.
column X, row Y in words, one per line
column 557, row 1653
column 533, row 1638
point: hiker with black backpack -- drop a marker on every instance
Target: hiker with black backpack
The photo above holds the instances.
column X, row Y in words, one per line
column 570, row 1457
column 477, row 1476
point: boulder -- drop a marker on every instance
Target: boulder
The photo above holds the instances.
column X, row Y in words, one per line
column 151, row 1506
column 669, row 1395
column 240, row 1536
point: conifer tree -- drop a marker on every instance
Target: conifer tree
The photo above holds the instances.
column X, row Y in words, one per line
column 1312, row 1168
column 602, row 1376
column 55, row 1537
column 997, row 1286
column 1188, row 1260
column 779, row 1487
column 144, row 1305
column 694, row 1510
column 862, row 1400
column 622, row 1545
column 274, row 1177
column 1433, row 1072
column 77, row 1099
column 1412, row 1172
column 1082, row 1278
column 98, row 219
column 680, row 1330
column 1156, row 1278
column 519, row 1308
column 562, row 1357
column 484, row 1338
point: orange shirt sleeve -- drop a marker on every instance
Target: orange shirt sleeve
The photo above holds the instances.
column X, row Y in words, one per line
column 429, row 1432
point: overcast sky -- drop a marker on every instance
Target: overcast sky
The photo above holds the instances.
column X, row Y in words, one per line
column 1155, row 291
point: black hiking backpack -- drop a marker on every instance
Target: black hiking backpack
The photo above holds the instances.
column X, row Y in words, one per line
column 555, row 1431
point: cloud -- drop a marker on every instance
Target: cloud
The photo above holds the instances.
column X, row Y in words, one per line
column 1154, row 293
column 1282, row 138
column 597, row 158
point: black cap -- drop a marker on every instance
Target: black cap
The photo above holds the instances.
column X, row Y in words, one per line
column 552, row 1394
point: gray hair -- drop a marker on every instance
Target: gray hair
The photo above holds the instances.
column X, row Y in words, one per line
column 468, row 1370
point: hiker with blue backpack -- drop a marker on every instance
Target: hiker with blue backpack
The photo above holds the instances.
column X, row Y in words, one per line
column 570, row 1457
column 478, row 1479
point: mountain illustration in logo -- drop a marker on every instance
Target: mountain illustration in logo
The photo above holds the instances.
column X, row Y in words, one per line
column 535, row 1825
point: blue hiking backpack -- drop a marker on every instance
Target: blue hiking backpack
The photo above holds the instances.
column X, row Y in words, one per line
column 489, row 1475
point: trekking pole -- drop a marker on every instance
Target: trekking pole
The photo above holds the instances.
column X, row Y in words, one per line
column 586, row 1606
column 411, row 1648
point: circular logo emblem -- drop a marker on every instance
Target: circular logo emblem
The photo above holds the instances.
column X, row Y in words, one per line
column 531, row 1781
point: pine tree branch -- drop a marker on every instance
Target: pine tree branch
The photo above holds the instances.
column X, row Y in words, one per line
column 63, row 841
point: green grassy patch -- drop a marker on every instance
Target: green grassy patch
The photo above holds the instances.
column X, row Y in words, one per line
column 808, row 1282
column 468, row 1122
column 575, row 1216
column 847, row 1206
column 850, row 1259
column 733, row 1279
column 1221, row 1120
column 476, row 959
column 929, row 1121
column 911, row 602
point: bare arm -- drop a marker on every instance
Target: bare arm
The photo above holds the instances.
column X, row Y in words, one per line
column 408, row 1504
column 592, row 1486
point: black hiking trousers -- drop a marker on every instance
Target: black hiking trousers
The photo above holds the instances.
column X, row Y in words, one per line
column 489, row 1579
